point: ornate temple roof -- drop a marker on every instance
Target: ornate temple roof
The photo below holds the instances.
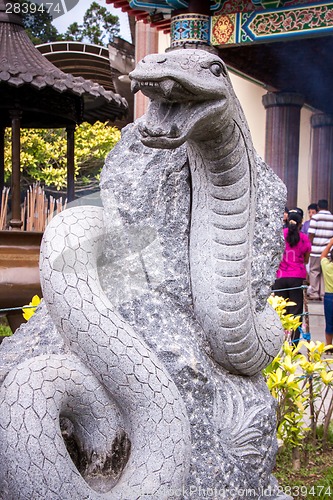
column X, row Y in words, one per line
column 23, row 68
column 285, row 45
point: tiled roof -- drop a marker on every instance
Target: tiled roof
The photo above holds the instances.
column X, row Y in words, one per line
column 21, row 64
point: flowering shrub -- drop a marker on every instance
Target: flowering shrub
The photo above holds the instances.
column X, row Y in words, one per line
column 299, row 383
column 300, row 378
column 289, row 322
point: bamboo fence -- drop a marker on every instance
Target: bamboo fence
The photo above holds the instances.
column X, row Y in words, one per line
column 36, row 211
column 4, row 208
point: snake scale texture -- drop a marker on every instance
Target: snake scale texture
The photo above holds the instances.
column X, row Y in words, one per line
column 112, row 364
column 129, row 420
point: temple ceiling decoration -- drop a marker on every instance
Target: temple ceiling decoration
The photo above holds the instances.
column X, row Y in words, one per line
column 283, row 45
column 273, row 24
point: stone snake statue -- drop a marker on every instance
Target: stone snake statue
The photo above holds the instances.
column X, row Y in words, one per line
column 114, row 378
column 128, row 402
column 192, row 101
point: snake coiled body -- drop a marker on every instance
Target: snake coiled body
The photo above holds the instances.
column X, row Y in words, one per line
column 220, row 255
column 123, row 373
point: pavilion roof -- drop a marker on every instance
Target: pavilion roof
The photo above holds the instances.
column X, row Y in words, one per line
column 22, row 66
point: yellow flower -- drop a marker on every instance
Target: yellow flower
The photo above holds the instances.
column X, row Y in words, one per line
column 310, row 367
column 29, row 310
column 288, row 321
column 326, row 377
column 288, row 365
column 314, row 346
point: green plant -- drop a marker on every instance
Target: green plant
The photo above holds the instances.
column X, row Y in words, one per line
column 313, row 481
column 302, row 385
column 284, row 385
column 320, row 432
column 280, row 304
column 43, row 153
column 5, row 330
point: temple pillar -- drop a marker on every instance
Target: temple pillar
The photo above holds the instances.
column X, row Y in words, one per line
column 283, row 114
column 70, row 162
column 191, row 25
column 15, row 221
column 322, row 158
column 146, row 42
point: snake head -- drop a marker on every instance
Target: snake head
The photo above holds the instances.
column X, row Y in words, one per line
column 188, row 89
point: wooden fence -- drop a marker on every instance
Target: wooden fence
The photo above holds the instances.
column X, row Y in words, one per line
column 36, row 211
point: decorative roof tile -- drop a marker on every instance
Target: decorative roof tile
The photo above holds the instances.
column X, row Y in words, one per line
column 21, row 63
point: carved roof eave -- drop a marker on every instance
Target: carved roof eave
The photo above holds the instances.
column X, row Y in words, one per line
column 22, row 65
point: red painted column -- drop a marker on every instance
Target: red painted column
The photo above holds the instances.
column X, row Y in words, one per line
column 146, row 42
column 322, row 158
column 283, row 113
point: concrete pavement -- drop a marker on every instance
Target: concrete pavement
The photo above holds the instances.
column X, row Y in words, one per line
column 316, row 320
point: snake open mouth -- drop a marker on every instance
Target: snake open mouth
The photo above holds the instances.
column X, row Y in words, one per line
column 162, row 121
column 170, row 113
column 166, row 89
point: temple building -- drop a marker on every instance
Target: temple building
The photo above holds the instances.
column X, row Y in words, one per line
column 279, row 56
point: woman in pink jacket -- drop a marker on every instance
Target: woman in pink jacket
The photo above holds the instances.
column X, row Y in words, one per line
column 292, row 272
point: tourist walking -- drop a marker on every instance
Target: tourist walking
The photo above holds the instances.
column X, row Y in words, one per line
column 327, row 269
column 312, row 210
column 292, row 272
column 320, row 232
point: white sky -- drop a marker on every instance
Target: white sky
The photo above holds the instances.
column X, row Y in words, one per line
column 77, row 13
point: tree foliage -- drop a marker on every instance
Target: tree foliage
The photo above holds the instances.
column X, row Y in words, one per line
column 74, row 33
column 43, row 154
column 99, row 26
column 38, row 24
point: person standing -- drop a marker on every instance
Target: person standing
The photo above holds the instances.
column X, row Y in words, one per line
column 312, row 210
column 320, row 232
column 292, row 272
column 285, row 218
column 327, row 269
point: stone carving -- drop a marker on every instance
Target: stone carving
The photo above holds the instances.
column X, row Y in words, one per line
column 192, row 101
column 150, row 404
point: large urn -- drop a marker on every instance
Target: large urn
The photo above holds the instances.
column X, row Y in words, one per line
column 19, row 272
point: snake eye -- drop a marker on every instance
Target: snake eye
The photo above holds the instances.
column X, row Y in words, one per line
column 217, row 69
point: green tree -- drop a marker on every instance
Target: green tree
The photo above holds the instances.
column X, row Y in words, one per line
column 38, row 23
column 99, row 26
column 74, row 32
column 43, row 154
